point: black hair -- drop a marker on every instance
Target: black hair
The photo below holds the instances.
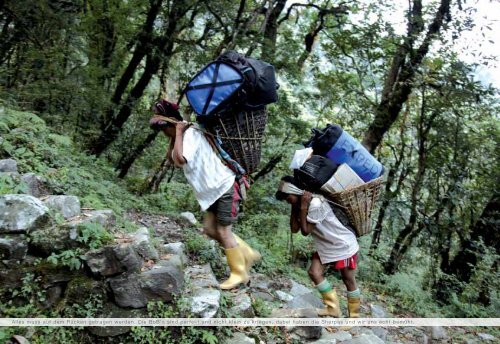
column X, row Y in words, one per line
column 280, row 195
column 289, row 179
column 168, row 109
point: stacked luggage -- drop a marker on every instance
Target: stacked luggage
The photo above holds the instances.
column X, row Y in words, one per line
column 229, row 96
column 336, row 165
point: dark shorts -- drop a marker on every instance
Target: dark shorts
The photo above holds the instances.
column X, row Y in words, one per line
column 342, row 264
column 226, row 208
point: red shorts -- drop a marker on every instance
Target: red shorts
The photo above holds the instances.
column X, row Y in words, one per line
column 342, row 264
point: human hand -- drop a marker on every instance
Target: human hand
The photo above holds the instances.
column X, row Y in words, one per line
column 305, row 199
column 180, row 126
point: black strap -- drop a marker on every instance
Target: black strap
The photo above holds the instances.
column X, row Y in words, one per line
column 211, row 94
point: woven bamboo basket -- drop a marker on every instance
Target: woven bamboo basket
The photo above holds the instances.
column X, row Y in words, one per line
column 241, row 135
column 359, row 203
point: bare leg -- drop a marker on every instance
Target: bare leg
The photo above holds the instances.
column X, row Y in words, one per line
column 349, row 279
column 316, row 270
column 225, row 236
column 222, row 234
column 210, row 225
column 328, row 294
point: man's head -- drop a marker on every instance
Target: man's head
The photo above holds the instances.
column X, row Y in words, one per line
column 288, row 190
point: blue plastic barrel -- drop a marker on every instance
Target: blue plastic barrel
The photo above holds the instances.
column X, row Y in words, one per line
column 350, row 151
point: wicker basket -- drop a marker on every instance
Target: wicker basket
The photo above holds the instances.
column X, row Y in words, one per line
column 359, row 203
column 241, row 136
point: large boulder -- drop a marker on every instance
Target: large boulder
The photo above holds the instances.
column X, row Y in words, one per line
column 67, row 206
column 8, row 165
column 53, row 295
column 13, row 247
column 143, row 245
column 110, row 310
column 204, row 300
column 298, row 289
column 135, row 290
column 10, row 277
column 201, row 276
column 305, row 301
column 66, row 236
column 282, row 296
column 104, row 217
column 242, row 305
column 176, row 248
column 22, row 214
column 303, row 297
column 54, row 239
column 35, row 185
column 113, row 260
column 128, row 257
column 304, row 332
column 260, row 282
column 82, row 288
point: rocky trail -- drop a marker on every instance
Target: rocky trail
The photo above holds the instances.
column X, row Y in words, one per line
column 152, row 263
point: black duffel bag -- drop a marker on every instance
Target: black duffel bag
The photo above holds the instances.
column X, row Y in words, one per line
column 314, row 173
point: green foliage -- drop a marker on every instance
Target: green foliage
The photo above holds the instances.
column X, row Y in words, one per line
column 175, row 196
column 201, row 250
column 184, row 335
column 465, row 304
column 27, row 139
column 93, row 235
column 409, row 294
column 261, row 308
column 69, row 258
column 30, row 293
column 10, row 185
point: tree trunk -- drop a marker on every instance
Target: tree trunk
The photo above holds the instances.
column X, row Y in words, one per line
column 126, row 161
column 406, row 236
column 155, row 180
column 271, row 31
column 400, row 78
column 486, row 230
column 271, row 164
column 388, row 195
column 142, row 48
column 162, row 52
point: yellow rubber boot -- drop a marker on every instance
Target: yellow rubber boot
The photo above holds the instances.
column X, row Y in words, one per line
column 353, row 304
column 331, row 301
column 251, row 256
column 236, row 262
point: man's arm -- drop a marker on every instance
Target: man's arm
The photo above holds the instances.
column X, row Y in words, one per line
column 306, row 228
column 294, row 218
column 178, row 145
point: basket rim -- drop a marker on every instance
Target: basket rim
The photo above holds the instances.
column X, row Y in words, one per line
column 375, row 182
